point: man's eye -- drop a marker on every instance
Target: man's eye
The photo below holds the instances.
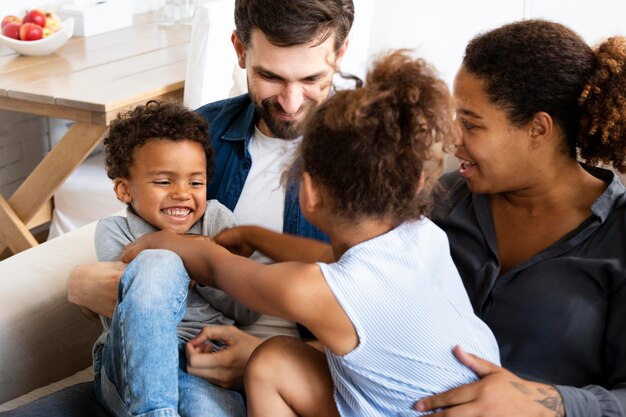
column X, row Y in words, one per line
column 268, row 77
column 467, row 125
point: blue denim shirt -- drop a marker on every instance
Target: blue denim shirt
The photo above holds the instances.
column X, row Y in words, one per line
column 231, row 125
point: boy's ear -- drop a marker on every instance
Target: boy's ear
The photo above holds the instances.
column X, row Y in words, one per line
column 311, row 194
column 239, row 49
column 120, row 186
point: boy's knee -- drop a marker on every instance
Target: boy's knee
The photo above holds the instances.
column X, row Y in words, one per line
column 160, row 269
column 158, row 257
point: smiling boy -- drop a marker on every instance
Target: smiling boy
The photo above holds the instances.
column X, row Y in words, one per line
column 160, row 158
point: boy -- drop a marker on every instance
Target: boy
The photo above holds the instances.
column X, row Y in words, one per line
column 160, row 158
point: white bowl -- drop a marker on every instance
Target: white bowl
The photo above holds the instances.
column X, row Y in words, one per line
column 43, row 46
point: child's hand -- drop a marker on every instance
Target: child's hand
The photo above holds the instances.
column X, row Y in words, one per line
column 224, row 368
column 234, row 239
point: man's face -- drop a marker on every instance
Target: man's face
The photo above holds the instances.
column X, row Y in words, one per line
column 286, row 83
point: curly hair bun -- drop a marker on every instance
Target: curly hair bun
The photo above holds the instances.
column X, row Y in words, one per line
column 602, row 133
column 368, row 145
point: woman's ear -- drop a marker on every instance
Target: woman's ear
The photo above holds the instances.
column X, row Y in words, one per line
column 541, row 128
column 120, row 186
column 239, row 49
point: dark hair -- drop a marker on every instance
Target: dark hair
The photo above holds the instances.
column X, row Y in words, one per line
column 367, row 146
column 536, row 66
column 153, row 121
column 294, row 22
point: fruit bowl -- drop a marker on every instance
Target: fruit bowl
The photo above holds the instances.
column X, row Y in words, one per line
column 43, row 46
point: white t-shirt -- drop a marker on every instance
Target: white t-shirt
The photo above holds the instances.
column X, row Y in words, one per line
column 262, row 203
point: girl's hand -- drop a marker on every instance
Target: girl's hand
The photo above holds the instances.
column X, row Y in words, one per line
column 234, row 239
column 497, row 393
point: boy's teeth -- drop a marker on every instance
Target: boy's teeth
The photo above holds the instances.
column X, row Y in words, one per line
column 177, row 212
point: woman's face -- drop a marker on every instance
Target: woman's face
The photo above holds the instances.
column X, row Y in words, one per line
column 492, row 151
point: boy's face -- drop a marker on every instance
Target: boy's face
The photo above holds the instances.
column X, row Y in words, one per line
column 167, row 184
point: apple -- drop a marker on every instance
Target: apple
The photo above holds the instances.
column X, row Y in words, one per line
column 47, row 32
column 53, row 22
column 35, row 16
column 30, row 32
column 11, row 30
column 10, row 19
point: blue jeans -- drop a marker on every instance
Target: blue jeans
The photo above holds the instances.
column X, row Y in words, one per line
column 140, row 371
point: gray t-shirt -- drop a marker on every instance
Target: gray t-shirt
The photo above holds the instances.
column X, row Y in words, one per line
column 205, row 305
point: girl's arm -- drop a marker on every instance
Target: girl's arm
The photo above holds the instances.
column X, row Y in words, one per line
column 244, row 240
column 292, row 290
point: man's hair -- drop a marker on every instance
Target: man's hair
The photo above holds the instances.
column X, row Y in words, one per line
column 154, row 121
column 294, row 22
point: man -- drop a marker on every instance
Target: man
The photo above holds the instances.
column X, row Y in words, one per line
column 290, row 51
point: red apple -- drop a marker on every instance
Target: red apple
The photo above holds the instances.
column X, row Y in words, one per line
column 11, row 30
column 35, row 16
column 31, row 32
column 10, row 19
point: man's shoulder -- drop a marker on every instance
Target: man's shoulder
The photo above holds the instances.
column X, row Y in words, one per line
column 227, row 107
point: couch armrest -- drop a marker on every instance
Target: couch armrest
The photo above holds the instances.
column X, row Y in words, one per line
column 43, row 337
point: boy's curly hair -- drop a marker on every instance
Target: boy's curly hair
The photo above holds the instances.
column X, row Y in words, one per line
column 155, row 120
column 367, row 146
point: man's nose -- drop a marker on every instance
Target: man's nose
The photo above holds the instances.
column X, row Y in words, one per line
column 291, row 98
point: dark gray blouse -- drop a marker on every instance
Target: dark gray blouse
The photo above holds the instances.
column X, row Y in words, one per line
column 559, row 317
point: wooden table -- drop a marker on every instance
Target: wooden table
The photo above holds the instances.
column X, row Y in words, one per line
column 89, row 80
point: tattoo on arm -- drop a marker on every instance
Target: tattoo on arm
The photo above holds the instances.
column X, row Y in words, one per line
column 550, row 397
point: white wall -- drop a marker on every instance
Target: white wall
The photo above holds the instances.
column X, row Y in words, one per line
column 439, row 30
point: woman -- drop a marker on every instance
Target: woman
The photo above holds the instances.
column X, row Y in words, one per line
column 539, row 239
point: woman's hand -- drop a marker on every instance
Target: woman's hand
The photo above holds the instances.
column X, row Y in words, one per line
column 225, row 367
column 93, row 287
column 234, row 239
column 497, row 393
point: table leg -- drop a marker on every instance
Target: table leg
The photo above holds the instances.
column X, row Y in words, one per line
column 41, row 184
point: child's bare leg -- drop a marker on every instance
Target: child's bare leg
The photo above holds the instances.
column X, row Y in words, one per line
column 286, row 377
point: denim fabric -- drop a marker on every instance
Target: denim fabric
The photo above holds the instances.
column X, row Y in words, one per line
column 231, row 124
column 141, row 368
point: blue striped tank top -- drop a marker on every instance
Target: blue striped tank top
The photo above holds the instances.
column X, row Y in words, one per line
column 405, row 298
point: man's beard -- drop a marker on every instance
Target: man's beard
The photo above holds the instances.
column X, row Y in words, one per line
column 282, row 129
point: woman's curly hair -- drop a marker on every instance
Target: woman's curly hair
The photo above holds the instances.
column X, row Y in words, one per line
column 155, row 120
column 602, row 134
column 367, row 146
column 536, row 66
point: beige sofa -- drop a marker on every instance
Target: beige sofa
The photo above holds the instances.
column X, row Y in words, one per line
column 43, row 338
